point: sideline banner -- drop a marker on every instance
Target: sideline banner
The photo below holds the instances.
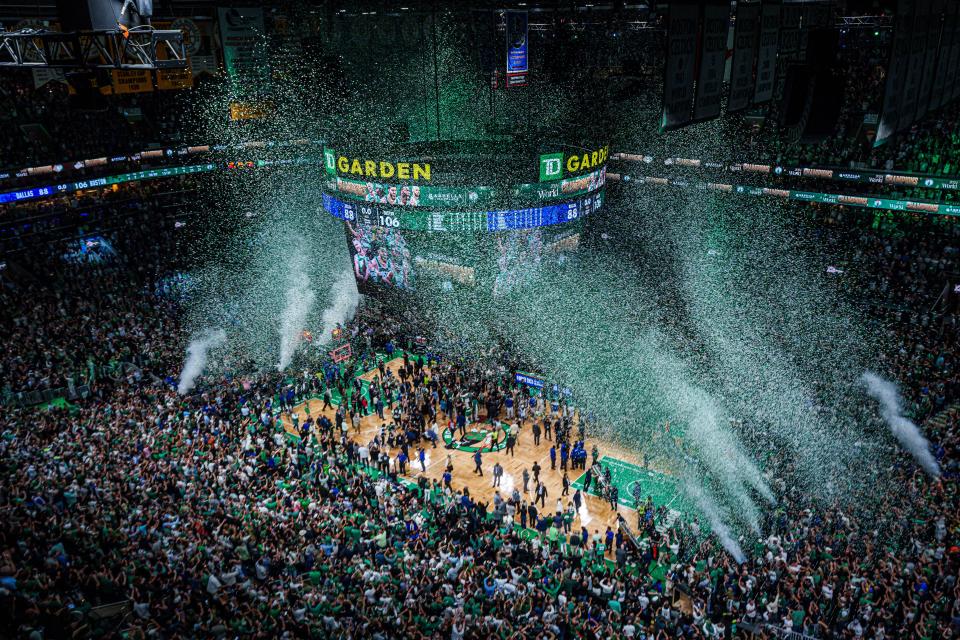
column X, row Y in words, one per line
column 680, row 69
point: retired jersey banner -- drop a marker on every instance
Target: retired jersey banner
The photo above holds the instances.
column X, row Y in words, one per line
column 680, row 72
column 518, row 64
column 713, row 55
column 744, row 55
column 896, row 72
column 767, row 51
column 241, row 36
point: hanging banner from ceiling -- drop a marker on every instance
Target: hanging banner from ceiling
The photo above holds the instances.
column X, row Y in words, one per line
column 713, row 55
column 767, row 51
column 518, row 63
column 241, row 36
column 44, row 75
column 198, row 40
column 918, row 52
column 744, row 55
column 896, row 72
column 129, row 81
column 680, row 70
column 172, row 79
column 939, row 91
column 931, row 44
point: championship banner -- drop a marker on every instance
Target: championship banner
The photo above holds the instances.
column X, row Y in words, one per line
column 713, row 55
column 44, row 75
column 767, row 51
column 241, row 36
column 129, row 81
column 518, row 64
column 896, row 72
column 199, row 44
column 918, row 51
column 173, row 79
column 744, row 52
column 939, row 91
column 680, row 69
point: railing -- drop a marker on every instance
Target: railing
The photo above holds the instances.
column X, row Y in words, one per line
column 43, row 396
column 73, row 392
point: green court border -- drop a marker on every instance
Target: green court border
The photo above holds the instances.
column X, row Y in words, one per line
column 499, row 445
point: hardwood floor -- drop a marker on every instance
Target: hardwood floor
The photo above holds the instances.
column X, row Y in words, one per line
column 595, row 514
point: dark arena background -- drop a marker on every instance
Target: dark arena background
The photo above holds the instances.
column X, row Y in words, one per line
column 434, row 319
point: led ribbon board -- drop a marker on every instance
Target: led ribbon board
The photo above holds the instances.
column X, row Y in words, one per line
column 406, row 195
column 51, row 190
column 467, row 221
column 865, row 202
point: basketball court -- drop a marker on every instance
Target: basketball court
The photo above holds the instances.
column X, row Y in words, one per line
column 595, row 514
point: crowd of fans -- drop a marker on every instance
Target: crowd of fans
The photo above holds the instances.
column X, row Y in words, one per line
column 46, row 125
column 202, row 517
column 208, row 520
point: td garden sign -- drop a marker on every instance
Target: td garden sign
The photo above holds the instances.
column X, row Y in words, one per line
column 363, row 168
column 555, row 165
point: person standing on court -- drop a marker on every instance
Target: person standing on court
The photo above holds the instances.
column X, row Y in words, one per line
column 526, row 481
column 566, row 485
column 327, row 397
column 542, row 494
column 422, row 456
column 536, row 433
column 536, row 472
column 577, row 499
column 478, row 459
column 553, row 458
column 497, row 474
column 511, row 442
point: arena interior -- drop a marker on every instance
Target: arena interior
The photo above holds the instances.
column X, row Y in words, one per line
column 479, row 320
